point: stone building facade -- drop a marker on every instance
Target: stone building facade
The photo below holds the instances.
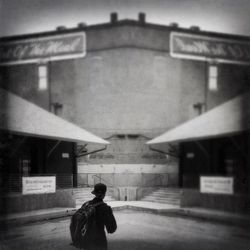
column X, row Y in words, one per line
column 128, row 87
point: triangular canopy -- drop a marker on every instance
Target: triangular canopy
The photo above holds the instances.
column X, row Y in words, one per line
column 17, row 115
column 228, row 118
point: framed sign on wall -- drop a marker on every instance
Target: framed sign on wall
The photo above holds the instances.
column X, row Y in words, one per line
column 216, row 185
column 38, row 185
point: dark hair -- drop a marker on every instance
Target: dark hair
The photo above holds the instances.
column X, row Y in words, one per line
column 99, row 189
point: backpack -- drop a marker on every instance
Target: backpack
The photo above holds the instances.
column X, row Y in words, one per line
column 80, row 223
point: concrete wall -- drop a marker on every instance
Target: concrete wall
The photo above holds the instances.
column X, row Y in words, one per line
column 127, row 74
column 104, row 37
column 23, row 81
column 190, row 198
column 128, row 175
column 143, row 89
column 231, row 203
column 127, row 150
column 21, row 203
column 232, row 81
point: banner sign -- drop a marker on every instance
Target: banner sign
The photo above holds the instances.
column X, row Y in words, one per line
column 39, row 185
column 205, row 48
column 57, row 47
column 216, row 185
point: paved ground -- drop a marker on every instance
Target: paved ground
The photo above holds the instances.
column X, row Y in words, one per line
column 22, row 218
column 136, row 231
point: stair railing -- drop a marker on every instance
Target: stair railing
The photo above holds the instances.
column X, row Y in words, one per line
column 102, row 180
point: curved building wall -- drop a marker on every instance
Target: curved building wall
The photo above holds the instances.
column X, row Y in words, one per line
column 127, row 84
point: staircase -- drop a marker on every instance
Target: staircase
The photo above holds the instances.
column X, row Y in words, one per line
column 169, row 196
column 82, row 195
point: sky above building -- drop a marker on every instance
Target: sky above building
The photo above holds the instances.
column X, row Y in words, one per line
column 28, row 16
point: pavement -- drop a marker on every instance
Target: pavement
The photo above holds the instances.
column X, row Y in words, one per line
column 242, row 220
column 136, row 231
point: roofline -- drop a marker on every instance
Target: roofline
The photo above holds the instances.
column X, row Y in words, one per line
column 202, row 138
column 14, row 101
column 125, row 22
column 48, row 137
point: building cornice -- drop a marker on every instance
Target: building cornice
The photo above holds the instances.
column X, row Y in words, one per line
column 126, row 22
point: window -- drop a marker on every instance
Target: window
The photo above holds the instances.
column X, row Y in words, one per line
column 213, row 78
column 42, row 77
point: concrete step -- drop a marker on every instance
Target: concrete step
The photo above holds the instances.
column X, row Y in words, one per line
column 162, row 198
column 82, row 189
column 90, row 198
column 87, row 195
column 82, row 195
column 163, row 192
column 166, row 192
column 86, row 192
column 162, row 201
column 164, row 195
column 80, row 202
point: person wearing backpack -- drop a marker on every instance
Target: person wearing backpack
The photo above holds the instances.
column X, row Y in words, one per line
column 89, row 222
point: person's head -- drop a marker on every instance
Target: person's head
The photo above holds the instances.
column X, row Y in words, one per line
column 99, row 190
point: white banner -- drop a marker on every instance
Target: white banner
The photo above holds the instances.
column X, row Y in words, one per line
column 207, row 48
column 39, row 185
column 216, row 185
column 48, row 48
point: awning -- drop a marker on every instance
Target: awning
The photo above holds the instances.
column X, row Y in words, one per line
column 228, row 118
column 22, row 117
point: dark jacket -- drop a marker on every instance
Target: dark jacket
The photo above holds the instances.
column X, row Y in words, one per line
column 104, row 218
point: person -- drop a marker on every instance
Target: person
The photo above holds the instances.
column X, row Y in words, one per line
column 104, row 219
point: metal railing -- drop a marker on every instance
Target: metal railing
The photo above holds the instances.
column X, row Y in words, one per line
column 102, row 180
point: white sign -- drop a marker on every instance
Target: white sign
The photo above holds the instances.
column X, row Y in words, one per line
column 65, row 155
column 39, row 185
column 207, row 48
column 216, row 185
column 32, row 50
